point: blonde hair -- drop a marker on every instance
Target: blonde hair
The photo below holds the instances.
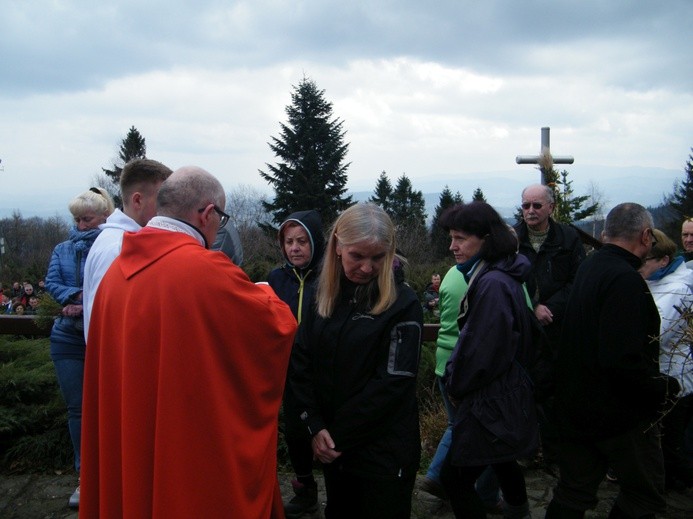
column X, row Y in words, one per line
column 96, row 199
column 360, row 223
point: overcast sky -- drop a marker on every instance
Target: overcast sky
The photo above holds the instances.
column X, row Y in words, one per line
column 448, row 92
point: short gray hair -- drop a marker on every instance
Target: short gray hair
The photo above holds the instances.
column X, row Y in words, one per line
column 626, row 221
column 188, row 189
column 548, row 192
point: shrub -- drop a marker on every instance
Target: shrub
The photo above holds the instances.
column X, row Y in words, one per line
column 33, row 419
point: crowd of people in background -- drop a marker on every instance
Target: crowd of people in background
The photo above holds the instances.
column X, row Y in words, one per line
column 334, row 338
column 21, row 298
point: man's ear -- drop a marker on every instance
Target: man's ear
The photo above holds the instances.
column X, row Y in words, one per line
column 136, row 199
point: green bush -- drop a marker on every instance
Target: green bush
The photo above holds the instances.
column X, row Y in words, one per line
column 33, row 418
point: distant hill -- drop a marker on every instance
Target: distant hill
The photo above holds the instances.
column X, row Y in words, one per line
column 645, row 185
column 502, row 189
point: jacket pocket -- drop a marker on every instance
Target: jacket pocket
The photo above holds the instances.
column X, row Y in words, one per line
column 405, row 349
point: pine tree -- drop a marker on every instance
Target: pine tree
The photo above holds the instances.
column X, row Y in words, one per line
column 440, row 240
column 682, row 198
column 478, row 195
column 311, row 173
column 569, row 208
column 383, row 193
column 133, row 146
column 408, row 206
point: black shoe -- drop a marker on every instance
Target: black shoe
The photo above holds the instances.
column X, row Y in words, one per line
column 304, row 502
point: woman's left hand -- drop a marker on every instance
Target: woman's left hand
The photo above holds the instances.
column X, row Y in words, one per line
column 323, row 447
column 72, row 310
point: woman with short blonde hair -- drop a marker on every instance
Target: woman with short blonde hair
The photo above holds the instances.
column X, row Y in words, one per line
column 64, row 283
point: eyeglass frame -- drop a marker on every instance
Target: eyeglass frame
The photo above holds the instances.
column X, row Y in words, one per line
column 223, row 217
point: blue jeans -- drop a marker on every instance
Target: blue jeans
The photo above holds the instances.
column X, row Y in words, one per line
column 70, row 373
column 444, row 444
column 487, row 484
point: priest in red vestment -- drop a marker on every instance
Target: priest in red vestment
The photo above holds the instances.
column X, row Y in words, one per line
column 184, row 373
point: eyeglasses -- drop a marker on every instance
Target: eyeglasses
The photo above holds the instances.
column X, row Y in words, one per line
column 535, row 205
column 654, row 240
column 223, row 217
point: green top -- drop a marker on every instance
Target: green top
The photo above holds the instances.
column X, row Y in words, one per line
column 450, row 294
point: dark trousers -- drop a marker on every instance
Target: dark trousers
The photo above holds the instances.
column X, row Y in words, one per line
column 298, row 442
column 300, row 456
column 351, row 496
column 635, row 457
column 459, row 484
column 548, row 430
column 678, row 470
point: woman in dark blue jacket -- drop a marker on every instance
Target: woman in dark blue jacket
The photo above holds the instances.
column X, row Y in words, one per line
column 494, row 419
column 302, row 244
column 64, row 283
column 353, row 371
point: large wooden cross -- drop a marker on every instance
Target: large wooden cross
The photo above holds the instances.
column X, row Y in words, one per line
column 545, row 160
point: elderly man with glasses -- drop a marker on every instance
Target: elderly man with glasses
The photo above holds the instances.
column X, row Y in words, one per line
column 555, row 252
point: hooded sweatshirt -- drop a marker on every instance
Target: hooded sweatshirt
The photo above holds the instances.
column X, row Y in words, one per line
column 296, row 286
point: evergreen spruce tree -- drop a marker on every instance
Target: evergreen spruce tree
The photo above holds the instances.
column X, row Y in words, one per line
column 569, row 208
column 383, row 193
column 478, row 195
column 311, row 173
column 440, row 240
column 408, row 208
column 682, row 198
column 133, row 146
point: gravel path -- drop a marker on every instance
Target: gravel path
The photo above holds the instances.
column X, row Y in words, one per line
column 38, row 496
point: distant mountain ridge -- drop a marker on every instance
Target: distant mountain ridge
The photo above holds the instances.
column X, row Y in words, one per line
column 646, row 186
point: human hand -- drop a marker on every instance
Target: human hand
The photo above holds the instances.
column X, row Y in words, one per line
column 323, row 447
column 543, row 314
column 72, row 310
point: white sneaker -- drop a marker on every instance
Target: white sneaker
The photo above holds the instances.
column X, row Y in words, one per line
column 74, row 499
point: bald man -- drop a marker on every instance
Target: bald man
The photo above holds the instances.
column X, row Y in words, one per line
column 183, row 386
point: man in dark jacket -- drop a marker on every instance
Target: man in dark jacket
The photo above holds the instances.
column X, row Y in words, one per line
column 609, row 389
column 555, row 252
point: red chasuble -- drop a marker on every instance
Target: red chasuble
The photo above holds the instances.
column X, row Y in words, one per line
column 184, row 375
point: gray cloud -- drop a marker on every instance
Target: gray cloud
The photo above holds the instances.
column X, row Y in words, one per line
column 76, row 45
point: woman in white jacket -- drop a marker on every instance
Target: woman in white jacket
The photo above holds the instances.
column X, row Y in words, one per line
column 671, row 283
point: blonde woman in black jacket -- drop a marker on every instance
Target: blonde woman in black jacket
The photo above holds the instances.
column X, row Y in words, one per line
column 353, row 371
